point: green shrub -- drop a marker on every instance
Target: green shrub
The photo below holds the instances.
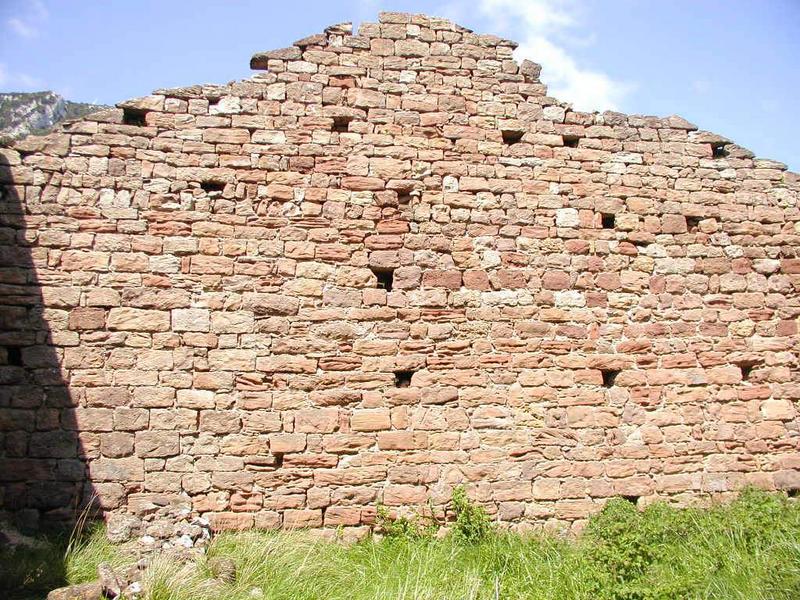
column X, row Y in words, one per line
column 747, row 547
column 627, row 543
column 472, row 524
column 404, row 528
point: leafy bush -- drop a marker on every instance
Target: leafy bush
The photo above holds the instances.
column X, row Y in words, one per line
column 472, row 524
column 404, row 528
column 664, row 553
column 627, row 543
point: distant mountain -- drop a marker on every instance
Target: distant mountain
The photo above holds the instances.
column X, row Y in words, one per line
column 24, row 113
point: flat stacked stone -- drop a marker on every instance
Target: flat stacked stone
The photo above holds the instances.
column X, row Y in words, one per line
column 386, row 265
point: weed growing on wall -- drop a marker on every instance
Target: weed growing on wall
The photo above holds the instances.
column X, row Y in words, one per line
column 471, row 523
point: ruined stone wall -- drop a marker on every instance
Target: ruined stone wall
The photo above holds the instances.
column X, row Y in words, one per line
column 388, row 265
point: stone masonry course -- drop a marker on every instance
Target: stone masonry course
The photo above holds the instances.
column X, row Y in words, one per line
column 385, row 265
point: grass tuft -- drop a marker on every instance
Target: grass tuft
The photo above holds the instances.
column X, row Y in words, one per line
column 85, row 552
column 54, row 561
column 746, row 550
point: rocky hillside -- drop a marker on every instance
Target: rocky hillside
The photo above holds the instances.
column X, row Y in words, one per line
column 22, row 114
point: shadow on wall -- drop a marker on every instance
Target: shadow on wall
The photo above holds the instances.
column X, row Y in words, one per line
column 43, row 479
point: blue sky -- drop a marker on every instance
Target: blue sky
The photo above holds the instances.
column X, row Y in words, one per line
column 729, row 66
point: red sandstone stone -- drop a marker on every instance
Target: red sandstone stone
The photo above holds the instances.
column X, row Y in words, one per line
column 370, row 420
column 134, row 319
column 214, row 313
column 337, row 516
column 323, row 420
column 280, row 443
column 297, row 519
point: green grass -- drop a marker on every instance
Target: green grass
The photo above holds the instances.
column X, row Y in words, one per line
column 55, row 561
column 748, row 549
column 26, row 571
column 84, row 553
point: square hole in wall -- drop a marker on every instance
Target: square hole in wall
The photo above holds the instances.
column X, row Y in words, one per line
column 609, row 377
column 718, row 150
column 793, row 492
column 570, row 141
column 631, row 499
column 693, row 224
column 134, row 116
column 608, row 220
column 747, row 369
column 341, row 124
column 402, row 379
column 278, row 456
column 385, row 278
column 512, row 136
column 13, row 356
column 212, row 186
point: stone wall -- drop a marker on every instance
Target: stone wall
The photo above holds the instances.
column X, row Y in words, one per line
column 388, row 265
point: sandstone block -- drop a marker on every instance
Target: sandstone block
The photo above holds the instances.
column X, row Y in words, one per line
column 778, row 410
column 567, row 217
column 299, row 519
column 281, row 443
column 117, row 469
column 375, row 419
column 361, row 98
column 396, row 440
column 83, row 591
column 411, row 48
column 157, row 444
column 337, row 516
column 322, row 420
column 149, row 397
column 93, row 419
column 87, row 318
column 196, row 398
column 116, row 444
column 232, row 322
column 220, row 421
column 232, row 360
column 137, row 319
column 268, row 304
column 724, row 375
column 190, row 319
column 404, row 495
column 226, row 136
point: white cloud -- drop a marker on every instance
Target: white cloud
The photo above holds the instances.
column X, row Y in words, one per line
column 584, row 88
column 541, row 27
column 22, row 28
column 28, row 25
